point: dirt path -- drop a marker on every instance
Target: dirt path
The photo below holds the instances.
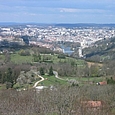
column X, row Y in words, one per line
column 56, row 75
column 42, row 79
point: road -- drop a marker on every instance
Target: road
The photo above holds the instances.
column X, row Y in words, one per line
column 56, row 75
column 42, row 79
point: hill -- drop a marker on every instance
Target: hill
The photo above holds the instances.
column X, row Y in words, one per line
column 101, row 51
column 84, row 25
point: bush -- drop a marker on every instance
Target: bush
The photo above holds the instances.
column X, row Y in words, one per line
column 9, row 85
column 61, row 56
column 110, row 81
column 24, row 53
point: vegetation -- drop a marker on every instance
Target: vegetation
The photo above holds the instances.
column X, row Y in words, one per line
column 110, row 81
column 46, row 63
column 63, row 96
column 51, row 71
column 52, row 81
column 61, row 56
column 101, row 51
column 42, row 71
column 18, row 59
column 60, row 101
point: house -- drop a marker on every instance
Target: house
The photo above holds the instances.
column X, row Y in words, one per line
column 87, row 107
column 92, row 104
column 102, row 83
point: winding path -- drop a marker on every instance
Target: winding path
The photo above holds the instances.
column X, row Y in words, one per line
column 56, row 75
column 42, row 79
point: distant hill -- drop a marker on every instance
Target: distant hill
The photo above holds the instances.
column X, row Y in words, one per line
column 66, row 25
column 102, row 50
column 85, row 25
column 5, row 24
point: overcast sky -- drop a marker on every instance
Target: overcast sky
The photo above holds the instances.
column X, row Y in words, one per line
column 57, row 11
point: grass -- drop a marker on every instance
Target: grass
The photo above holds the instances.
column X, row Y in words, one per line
column 2, row 57
column 95, row 79
column 51, row 80
column 16, row 58
column 2, row 86
column 85, row 80
column 69, row 60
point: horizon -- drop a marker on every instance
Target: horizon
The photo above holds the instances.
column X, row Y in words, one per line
column 57, row 11
column 54, row 23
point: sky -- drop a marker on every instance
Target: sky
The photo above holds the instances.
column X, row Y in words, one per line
column 57, row 11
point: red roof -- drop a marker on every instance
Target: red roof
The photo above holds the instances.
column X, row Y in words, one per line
column 92, row 104
column 103, row 83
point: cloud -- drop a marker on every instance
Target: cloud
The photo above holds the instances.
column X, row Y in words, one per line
column 70, row 10
column 57, row 10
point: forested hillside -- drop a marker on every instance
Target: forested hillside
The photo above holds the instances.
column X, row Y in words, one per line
column 101, row 51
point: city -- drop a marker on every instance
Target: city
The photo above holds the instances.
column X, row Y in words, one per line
column 49, row 36
column 57, row 57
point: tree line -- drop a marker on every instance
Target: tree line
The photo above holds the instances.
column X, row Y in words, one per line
column 10, row 72
column 63, row 100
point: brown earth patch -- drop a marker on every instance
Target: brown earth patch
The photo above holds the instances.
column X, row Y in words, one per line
column 93, row 63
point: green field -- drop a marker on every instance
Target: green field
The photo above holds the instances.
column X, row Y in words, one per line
column 51, row 80
column 2, row 58
column 16, row 58
column 47, row 58
column 55, row 59
column 87, row 81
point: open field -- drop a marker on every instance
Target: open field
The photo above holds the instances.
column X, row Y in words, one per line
column 55, row 59
column 86, row 81
column 92, row 63
column 16, row 58
column 51, row 80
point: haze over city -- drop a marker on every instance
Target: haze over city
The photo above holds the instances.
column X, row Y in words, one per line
column 57, row 11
